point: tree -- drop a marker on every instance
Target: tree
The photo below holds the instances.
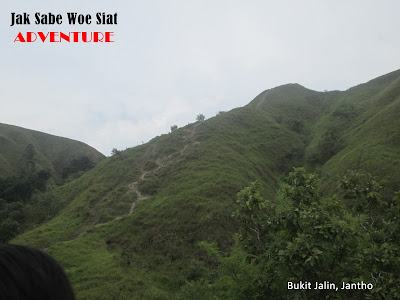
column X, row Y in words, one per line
column 20, row 188
column 29, row 156
column 200, row 118
column 8, row 229
column 330, row 144
column 115, row 151
column 174, row 127
column 48, row 204
column 10, row 218
column 303, row 236
column 81, row 164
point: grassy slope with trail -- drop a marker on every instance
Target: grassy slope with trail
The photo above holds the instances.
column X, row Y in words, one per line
column 188, row 180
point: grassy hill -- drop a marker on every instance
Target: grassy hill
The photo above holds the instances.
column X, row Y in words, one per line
column 132, row 224
column 366, row 120
column 53, row 153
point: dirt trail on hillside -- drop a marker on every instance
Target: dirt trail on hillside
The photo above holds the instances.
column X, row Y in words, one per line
column 161, row 163
column 134, row 186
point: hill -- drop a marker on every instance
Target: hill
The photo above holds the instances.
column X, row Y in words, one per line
column 53, row 153
column 131, row 226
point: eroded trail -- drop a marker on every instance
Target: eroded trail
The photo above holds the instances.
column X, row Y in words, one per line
column 134, row 186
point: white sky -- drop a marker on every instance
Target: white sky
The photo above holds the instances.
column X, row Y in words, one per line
column 175, row 59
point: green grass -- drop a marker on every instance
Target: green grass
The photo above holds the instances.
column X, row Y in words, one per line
column 192, row 195
column 53, row 153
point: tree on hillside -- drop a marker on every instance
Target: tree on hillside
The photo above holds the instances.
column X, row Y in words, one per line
column 15, row 194
column 330, row 143
column 10, row 218
column 174, row 127
column 303, row 236
column 115, row 151
column 200, row 118
column 81, row 164
column 20, row 189
column 29, row 157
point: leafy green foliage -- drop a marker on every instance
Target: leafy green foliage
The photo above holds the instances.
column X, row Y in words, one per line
column 115, row 151
column 78, row 165
column 305, row 237
column 221, row 277
column 29, row 156
column 10, row 219
column 346, row 110
column 330, row 143
column 42, row 206
column 15, row 193
column 20, row 188
column 200, row 118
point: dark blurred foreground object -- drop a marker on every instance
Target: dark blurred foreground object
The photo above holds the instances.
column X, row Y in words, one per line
column 27, row 273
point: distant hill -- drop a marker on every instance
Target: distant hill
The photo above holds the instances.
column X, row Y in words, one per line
column 131, row 226
column 53, row 153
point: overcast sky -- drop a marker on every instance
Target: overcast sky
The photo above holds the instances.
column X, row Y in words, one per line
column 172, row 60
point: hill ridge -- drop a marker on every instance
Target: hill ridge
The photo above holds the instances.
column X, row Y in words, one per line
column 53, row 153
column 144, row 211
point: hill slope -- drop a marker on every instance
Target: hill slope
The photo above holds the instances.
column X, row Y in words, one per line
column 53, row 153
column 132, row 224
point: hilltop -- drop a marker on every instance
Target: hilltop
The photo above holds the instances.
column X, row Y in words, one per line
column 52, row 153
column 131, row 225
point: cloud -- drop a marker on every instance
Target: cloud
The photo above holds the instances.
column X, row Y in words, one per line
column 173, row 60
